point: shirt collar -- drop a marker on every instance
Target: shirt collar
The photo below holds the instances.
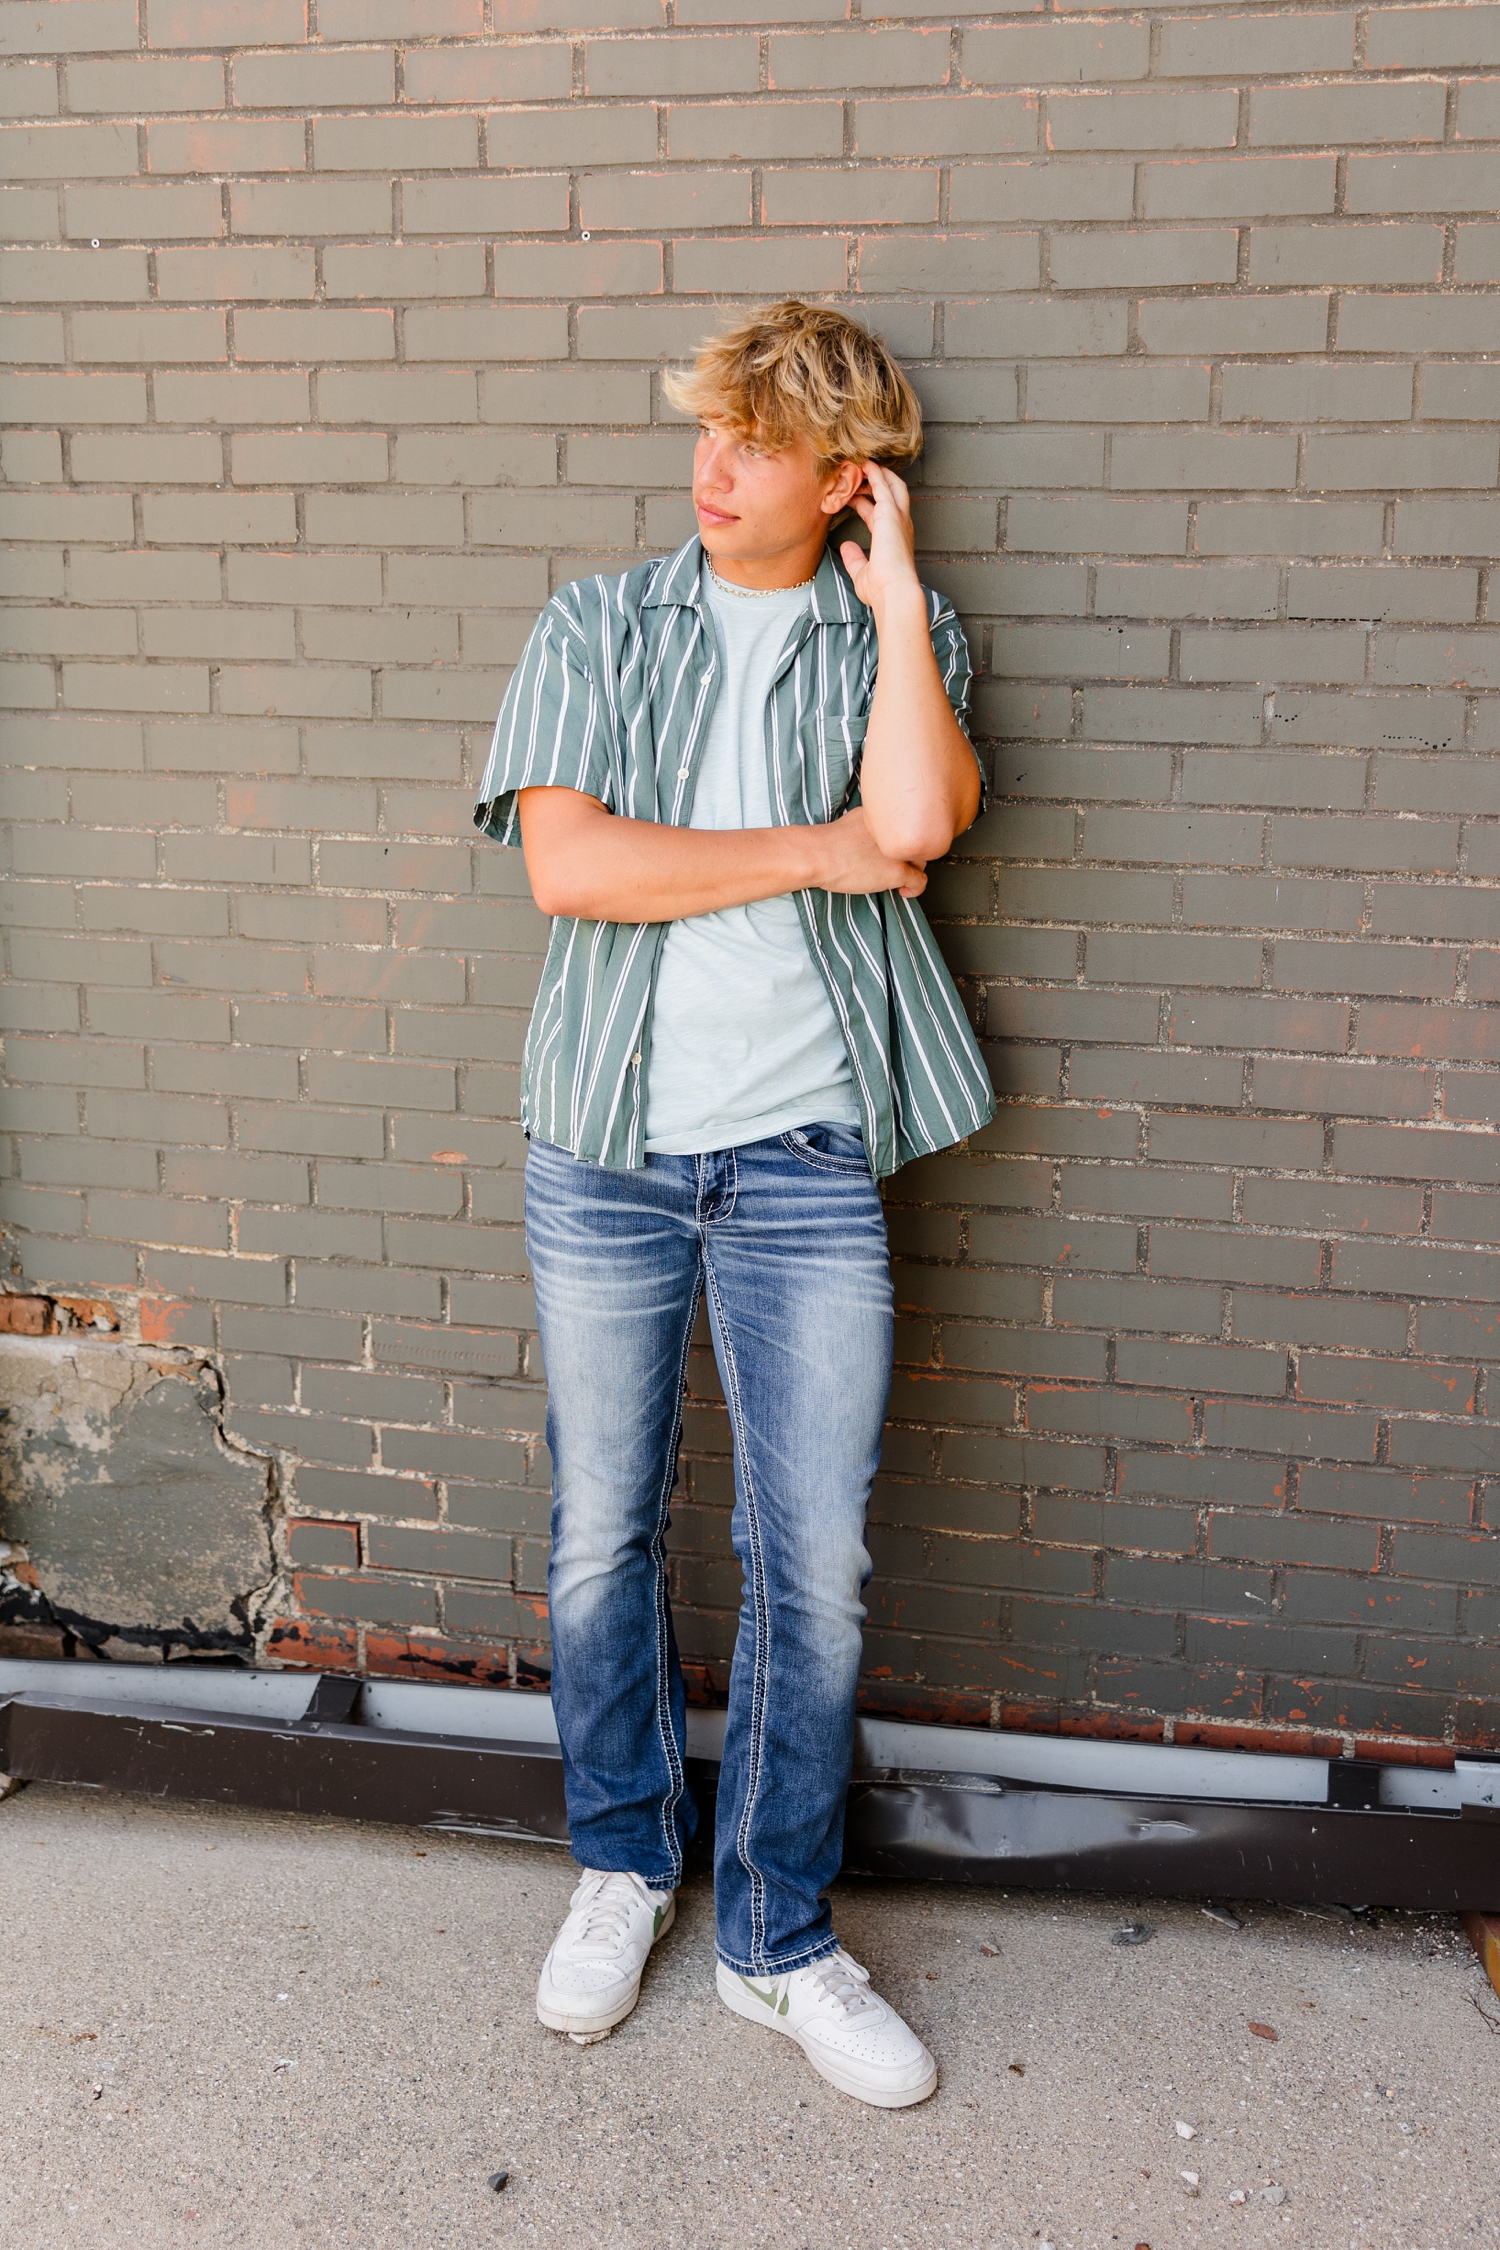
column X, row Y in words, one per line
column 676, row 582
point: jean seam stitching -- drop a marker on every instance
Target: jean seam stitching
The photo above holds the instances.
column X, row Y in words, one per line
column 731, row 1188
column 760, row 1668
column 663, row 1715
column 818, row 1163
column 803, row 1960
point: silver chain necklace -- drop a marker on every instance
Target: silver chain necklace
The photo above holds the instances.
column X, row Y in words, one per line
column 754, row 593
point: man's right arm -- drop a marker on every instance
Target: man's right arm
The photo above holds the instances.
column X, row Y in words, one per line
column 587, row 862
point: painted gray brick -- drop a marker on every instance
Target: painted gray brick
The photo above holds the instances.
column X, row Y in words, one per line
column 1242, row 187
column 1206, row 459
column 1161, row 258
column 1043, row 189
column 1125, row 119
column 1447, row 180
column 1229, row 1255
column 763, row 129
column 445, row 1554
column 1377, row 1604
column 1149, row 1417
column 1268, row 1316
column 840, row 59
column 1364, row 392
column 1345, row 252
column 1223, row 45
column 1372, row 322
column 1040, row 327
column 947, row 125
column 1210, row 323
column 1451, row 458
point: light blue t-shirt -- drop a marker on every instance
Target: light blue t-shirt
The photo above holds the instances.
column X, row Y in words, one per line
column 744, row 1040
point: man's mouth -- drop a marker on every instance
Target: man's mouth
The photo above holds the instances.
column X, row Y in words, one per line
column 708, row 513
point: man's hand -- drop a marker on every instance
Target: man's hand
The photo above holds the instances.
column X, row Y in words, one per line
column 854, row 862
column 884, row 506
column 918, row 780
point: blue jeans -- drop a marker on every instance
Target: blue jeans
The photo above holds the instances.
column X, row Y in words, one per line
column 786, row 1237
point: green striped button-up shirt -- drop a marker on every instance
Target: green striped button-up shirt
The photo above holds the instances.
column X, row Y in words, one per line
column 613, row 696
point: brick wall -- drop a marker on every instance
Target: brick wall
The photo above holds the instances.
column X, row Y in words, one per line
column 333, row 343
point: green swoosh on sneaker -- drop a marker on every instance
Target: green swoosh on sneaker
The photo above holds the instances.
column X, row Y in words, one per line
column 656, row 1920
column 767, row 1998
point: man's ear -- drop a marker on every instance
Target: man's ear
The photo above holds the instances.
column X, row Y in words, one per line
column 847, row 480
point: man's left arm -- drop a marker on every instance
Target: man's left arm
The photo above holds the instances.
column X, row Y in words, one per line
column 919, row 780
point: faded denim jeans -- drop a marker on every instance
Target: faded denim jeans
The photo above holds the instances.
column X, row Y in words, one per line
column 786, row 1239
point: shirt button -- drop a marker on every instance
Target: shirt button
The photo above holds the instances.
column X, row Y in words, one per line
column 683, row 772
column 635, row 1062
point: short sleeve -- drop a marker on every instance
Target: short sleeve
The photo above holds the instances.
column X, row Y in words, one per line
column 951, row 649
column 552, row 732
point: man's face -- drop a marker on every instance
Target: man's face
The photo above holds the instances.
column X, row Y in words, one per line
column 753, row 503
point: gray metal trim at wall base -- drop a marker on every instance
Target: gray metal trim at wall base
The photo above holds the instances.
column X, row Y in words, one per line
column 468, row 1762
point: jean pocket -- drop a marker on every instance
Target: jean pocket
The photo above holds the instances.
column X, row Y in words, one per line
column 828, row 1148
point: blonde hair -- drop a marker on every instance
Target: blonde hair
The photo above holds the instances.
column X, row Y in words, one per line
column 790, row 371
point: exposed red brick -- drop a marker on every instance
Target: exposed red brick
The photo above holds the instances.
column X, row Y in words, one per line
column 938, row 1707
column 91, row 1312
column 399, row 1656
column 33, row 1642
column 1209, row 1735
column 322, row 1648
column 1436, row 1755
column 1030, row 1718
column 1112, row 1726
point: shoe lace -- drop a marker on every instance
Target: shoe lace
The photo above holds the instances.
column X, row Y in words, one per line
column 841, row 1980
column 606, row 1908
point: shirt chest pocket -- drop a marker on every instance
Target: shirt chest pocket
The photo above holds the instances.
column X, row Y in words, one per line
column 831, row 750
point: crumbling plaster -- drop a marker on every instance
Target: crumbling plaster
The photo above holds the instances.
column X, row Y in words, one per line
column 127, row 1523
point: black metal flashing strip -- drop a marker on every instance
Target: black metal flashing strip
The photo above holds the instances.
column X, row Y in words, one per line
column 312, row 1765
column 980, row 1831
column 309, row 1743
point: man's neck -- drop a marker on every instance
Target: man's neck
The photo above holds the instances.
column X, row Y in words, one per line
column 770, row 574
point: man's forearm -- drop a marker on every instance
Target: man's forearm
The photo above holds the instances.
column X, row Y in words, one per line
column 919, row 783
column 590, row 863
column 615, row 870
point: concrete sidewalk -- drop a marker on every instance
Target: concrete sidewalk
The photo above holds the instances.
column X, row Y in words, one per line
column 243, row 2028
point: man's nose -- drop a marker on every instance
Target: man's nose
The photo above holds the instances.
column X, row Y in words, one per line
column 712, row 464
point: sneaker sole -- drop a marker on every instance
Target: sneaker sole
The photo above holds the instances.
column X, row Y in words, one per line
column 583, row 2030
column 824, row 2064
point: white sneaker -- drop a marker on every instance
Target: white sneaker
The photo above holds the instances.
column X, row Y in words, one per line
column 851, row 2037
column 591, row 1979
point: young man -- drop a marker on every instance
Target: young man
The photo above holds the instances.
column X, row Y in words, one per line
column 729, row 769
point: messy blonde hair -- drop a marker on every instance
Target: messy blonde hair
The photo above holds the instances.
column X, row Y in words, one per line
column 790, row 371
